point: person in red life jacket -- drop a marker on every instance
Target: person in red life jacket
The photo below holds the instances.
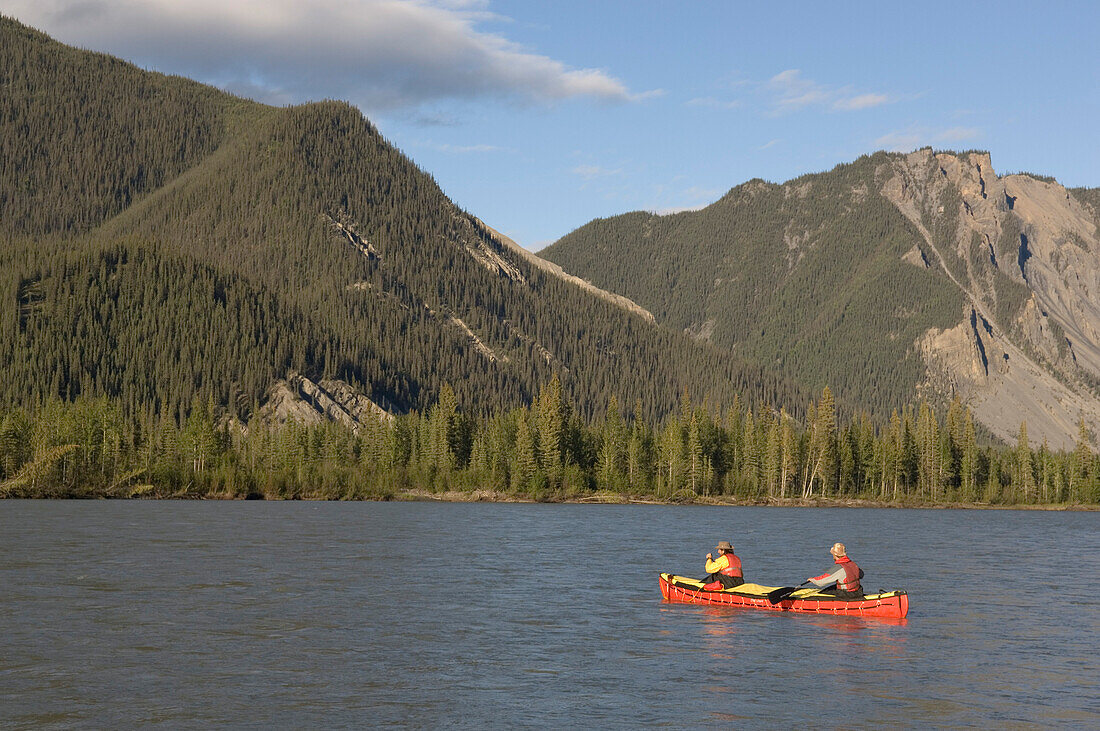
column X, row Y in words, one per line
column 723, row 572
column 845, row 574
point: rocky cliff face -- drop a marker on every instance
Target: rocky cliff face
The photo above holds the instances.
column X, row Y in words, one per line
column 301, row 400
column 1026, row 254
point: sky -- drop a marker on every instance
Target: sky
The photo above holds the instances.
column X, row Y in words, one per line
column 539, row 116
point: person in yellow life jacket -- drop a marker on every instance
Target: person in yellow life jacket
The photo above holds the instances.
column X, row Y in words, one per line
column 845, row 574
column 723, row 572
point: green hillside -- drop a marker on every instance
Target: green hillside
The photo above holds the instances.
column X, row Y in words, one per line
column 161, row 241
column 806, row 276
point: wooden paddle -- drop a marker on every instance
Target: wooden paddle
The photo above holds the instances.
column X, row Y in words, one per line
column 783, row 592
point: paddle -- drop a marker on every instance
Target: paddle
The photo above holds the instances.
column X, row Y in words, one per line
column 783, row 592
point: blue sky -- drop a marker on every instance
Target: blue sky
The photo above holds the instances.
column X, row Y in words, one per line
column 539, row 116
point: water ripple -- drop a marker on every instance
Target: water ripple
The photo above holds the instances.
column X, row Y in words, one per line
column 191, row 614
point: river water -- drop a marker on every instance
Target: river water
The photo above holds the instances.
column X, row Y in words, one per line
column 250, row 614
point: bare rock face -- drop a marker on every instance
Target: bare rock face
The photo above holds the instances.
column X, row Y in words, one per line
column 1026, row 254
column 916, row 257
column 1059, row 259
column 301, row 400
column 489, row 251
column 956, row 357
column 477, row 343
column 701, row 331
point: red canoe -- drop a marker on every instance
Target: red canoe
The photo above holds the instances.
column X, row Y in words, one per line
column 683, row 590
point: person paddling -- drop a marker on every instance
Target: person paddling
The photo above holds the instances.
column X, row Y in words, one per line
column 723, row 572
column 845, row 575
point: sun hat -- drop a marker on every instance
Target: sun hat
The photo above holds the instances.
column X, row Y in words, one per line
column 724, row 546
column 838, row 549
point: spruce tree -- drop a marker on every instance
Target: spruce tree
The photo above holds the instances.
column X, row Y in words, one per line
column 525, row 462
column 613, row 447
column 638, row 453
column 1025, row 469
column 969, row 459
column 1080, row 473
column 695, row 467
column 551, row 421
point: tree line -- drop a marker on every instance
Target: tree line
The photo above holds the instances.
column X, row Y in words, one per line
column 546, row 450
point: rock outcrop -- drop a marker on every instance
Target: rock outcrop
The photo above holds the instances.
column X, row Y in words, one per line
column 303, row 401
column 1026, row 254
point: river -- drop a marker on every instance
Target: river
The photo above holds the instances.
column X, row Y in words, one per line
column 251, row 614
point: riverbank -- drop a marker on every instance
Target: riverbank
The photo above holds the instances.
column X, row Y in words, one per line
column 613, row 498
column 147, row 492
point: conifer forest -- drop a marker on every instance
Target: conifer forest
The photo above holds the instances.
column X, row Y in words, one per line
column 89, row 447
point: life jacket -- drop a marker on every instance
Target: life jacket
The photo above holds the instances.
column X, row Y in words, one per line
column 850, row 582
column 733, row 567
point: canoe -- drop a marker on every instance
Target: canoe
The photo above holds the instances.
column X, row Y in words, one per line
column 683, row 590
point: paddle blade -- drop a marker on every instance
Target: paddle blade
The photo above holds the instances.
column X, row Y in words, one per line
column 781, row 593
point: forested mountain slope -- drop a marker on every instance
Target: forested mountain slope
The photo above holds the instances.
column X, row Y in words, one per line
column 889, row 276
column 162, row 241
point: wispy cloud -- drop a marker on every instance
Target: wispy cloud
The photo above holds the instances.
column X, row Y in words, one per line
column 647, row 95
column 591, row 172
column 959, row 134
column 715, row 103
column 912, row 138
column 862, row 101
column 380, row 54
column 791, row 92
column 769, row 143
column 679, row 200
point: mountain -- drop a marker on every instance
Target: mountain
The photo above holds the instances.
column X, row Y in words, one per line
column 886, row 278
column 162, row 241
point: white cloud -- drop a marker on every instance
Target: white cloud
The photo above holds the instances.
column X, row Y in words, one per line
column 644, row 95
column 915, row 137
column 380, row 54
column 792, row 92
column 862, row 101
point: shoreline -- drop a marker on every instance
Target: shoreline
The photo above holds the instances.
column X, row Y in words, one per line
column 493, row 496
column 598, row 498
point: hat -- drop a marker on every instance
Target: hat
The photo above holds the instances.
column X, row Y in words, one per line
column 724, row 546
column 838, row 549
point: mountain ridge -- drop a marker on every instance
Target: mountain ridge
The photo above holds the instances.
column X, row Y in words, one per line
column 252, row 245
column 914, row 272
